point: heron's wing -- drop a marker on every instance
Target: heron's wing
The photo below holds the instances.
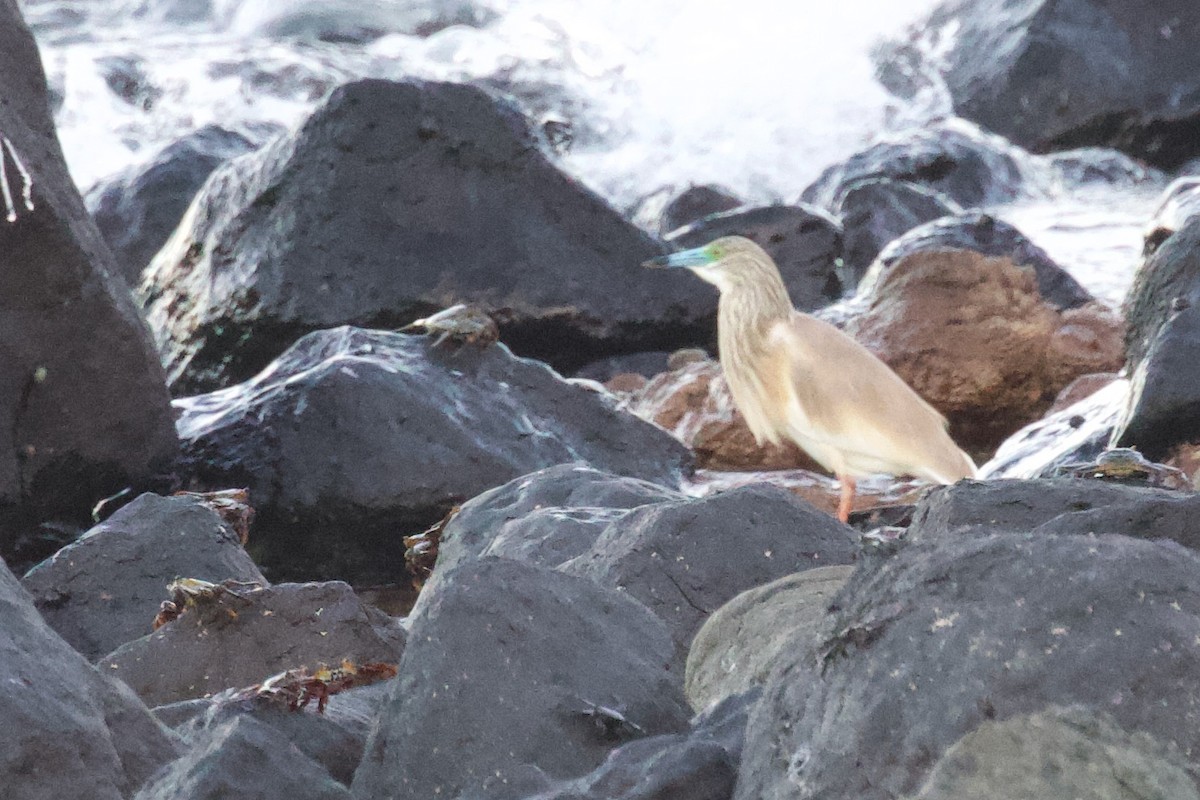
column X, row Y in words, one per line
column 851, row 402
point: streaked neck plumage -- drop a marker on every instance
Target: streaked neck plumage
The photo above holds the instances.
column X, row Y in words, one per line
column 753, row 298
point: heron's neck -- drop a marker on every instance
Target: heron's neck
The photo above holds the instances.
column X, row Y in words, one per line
column 751, row 309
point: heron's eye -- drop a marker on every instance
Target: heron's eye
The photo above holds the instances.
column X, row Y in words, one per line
column 715, row 252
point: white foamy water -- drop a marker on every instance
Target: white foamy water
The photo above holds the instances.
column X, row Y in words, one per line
column 758, row 96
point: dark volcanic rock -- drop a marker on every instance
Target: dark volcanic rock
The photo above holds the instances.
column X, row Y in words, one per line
column 1166, row 283
column 69, row 733
column 987, row 235
column 239, row 641
column 1059, row 752
column 512, row 666
column 1163, row 342
column 354, row 438
column 137, row 209
column 83, row 407
column 545, row 518
column 946, row 635
column 686, row 558
column 1055, row 74
column 876, row 211
column 105, row 589
column 395, row 200
column 953, row 158
column 244, row 758
column 1164, row 401
column 805, row 243
column 1061, row 505
column 693, row 203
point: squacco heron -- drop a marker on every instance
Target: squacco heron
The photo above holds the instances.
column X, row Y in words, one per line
column 799, row 378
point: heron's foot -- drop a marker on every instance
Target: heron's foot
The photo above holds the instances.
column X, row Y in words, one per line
column 848, row 487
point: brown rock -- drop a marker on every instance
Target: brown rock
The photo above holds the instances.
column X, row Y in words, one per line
column 694, row 404
column 1089, row 340
column 974, row 337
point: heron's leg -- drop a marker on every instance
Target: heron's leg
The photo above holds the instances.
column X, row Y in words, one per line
column 847, row 497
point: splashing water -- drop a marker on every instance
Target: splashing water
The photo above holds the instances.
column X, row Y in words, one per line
column 759, row 97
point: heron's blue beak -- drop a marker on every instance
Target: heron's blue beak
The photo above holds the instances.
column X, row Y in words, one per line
column 696, row 257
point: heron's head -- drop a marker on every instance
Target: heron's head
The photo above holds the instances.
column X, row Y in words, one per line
column 727, row 263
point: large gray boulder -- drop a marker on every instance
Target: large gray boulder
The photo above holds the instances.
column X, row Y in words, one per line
column 546, row 518
column 1163, row 341
column 512, row 667
column 1059, row 752
column 105, row 589
column 946, row 635
column 684, row 559
column 238, row 640
column 394, row 200
column 84, row 409
column 1056, row 74
column 138, row 208
column 736, row 648
column 69, row 732
column 354, row 438
column 243, row 758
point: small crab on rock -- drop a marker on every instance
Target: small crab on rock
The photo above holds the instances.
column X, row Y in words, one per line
column 296, row 688
column 463, row 324
column 1126, row 465
column 231, row 505
column 192, row 593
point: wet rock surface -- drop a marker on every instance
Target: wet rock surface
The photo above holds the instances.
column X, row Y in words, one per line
column 62, row 449
column 1163, row 339
column 136, row 210
column 931, row 313
column 804, row 241
column 953, row 158
column 545, row 518
column 511, row 666
column 1075, row 434
column 105, row 589
column 1055, row 74
column 944, row 636
column 1055, row 505
column 392, row 201
column 695, row 203
column 69, row 731
column 876, row 211
column 240, row 639
column 354, row 438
